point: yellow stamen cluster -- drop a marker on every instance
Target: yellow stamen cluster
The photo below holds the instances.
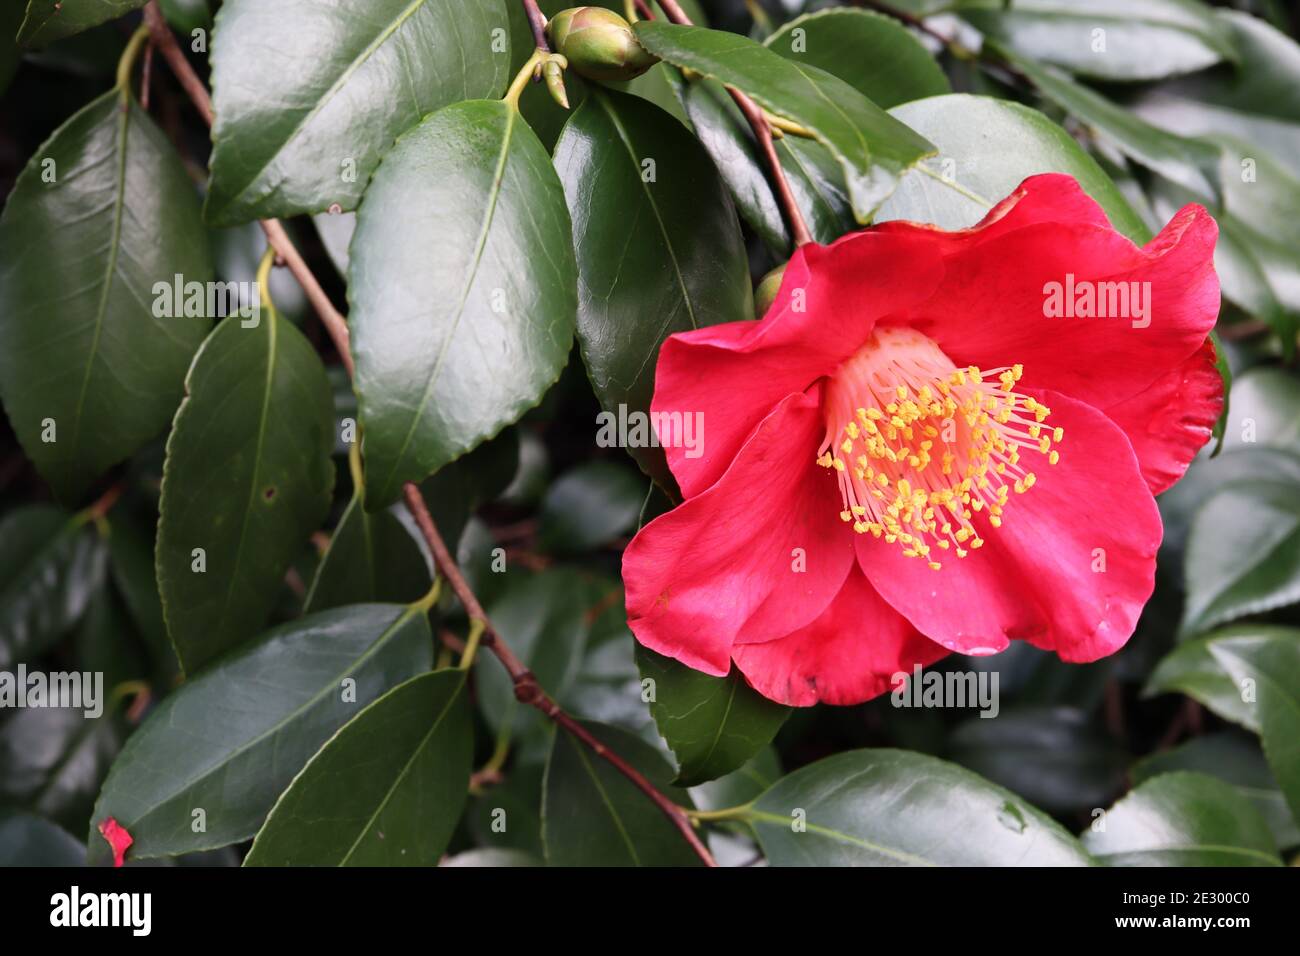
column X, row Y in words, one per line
column 920, row 447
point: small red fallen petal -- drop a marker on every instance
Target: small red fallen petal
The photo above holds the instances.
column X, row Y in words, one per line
column 117, row 838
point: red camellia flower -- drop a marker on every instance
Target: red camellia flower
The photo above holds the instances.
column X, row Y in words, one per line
column 933, row 441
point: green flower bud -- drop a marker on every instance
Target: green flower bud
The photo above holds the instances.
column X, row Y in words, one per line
column 599, row 44
column 767, row 289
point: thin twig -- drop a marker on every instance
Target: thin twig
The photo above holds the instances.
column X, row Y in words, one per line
column 799, row 232
column 527, row 688
column 337, row 327
column 538, row 24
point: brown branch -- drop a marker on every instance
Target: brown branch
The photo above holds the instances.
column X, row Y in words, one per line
column 337, row 327
column 527, row 689
column 799, row 232
column 538, row 24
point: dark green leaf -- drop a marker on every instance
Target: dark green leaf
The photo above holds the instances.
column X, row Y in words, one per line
column 1179, row 504
column 88, row 371
column 1243, row 554
column 815, row 177
column 347, row 81
column 713, row 725
column 658, row 248
column 844, row 811
column 371, row 557
column 1253, row 100
column 386, row 790
column 53, row 759
column 590, row 507
column 874, row 149
column 1264, row 411
column 1235, row 759
column 1052, row 756
column 1182, row 819
column 51, row 564
column 740, row 786
column 230, row 740
column 187, row 15
column 544, row 619
column 592, row 815
column 50, row 20
column 463, row 290
column 1191, row 163
column 1192, row 668
column 874, row 54
column 458, row 489
column 27, row 840
column 248, row 478
column 987, row 148
column 1108, row 39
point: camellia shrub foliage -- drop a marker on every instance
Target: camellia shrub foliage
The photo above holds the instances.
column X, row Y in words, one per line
column 491, row 432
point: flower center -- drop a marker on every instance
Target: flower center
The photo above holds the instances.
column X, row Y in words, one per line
column 920, row 446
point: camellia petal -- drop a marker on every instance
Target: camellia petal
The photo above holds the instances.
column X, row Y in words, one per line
column 1069, row 568
column 850, row 653
column 735, row 373
column 762, row 548
column 1171, row 420
column 1084, row 310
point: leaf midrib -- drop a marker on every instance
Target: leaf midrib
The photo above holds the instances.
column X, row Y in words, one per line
column 406, row 768
column 498, row 178
column 119, row 204
column 357, row 62
column 379, row 643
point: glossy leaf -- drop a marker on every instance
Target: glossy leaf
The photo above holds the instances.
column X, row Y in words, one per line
column 50, row 20
column 1253, row 100
column 590, row 506
column 658, row 247
column 843, row 811
column 873, row 148
column 1234, row 759
column 348, row 79
column 1054, row 757
column 51, row 564
column 248, row 478
column 230, row 740
column 1243, row 554
column 713, row 725
column 1183, row 819
column 544, row 618
column 815, row 178
column 987, row 148
column 873, row 53
column 53, row 759
column 458, row 489
column 594, row 816
column 1192, row 668
column 371, row 557
column 187, row 15
column 463, row 290
column 1108, row 39
column 89, row 372
column 1191, row 163
column 386, row 790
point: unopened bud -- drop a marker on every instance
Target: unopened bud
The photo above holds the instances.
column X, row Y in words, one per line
column 767, row 289
column 599, row 44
